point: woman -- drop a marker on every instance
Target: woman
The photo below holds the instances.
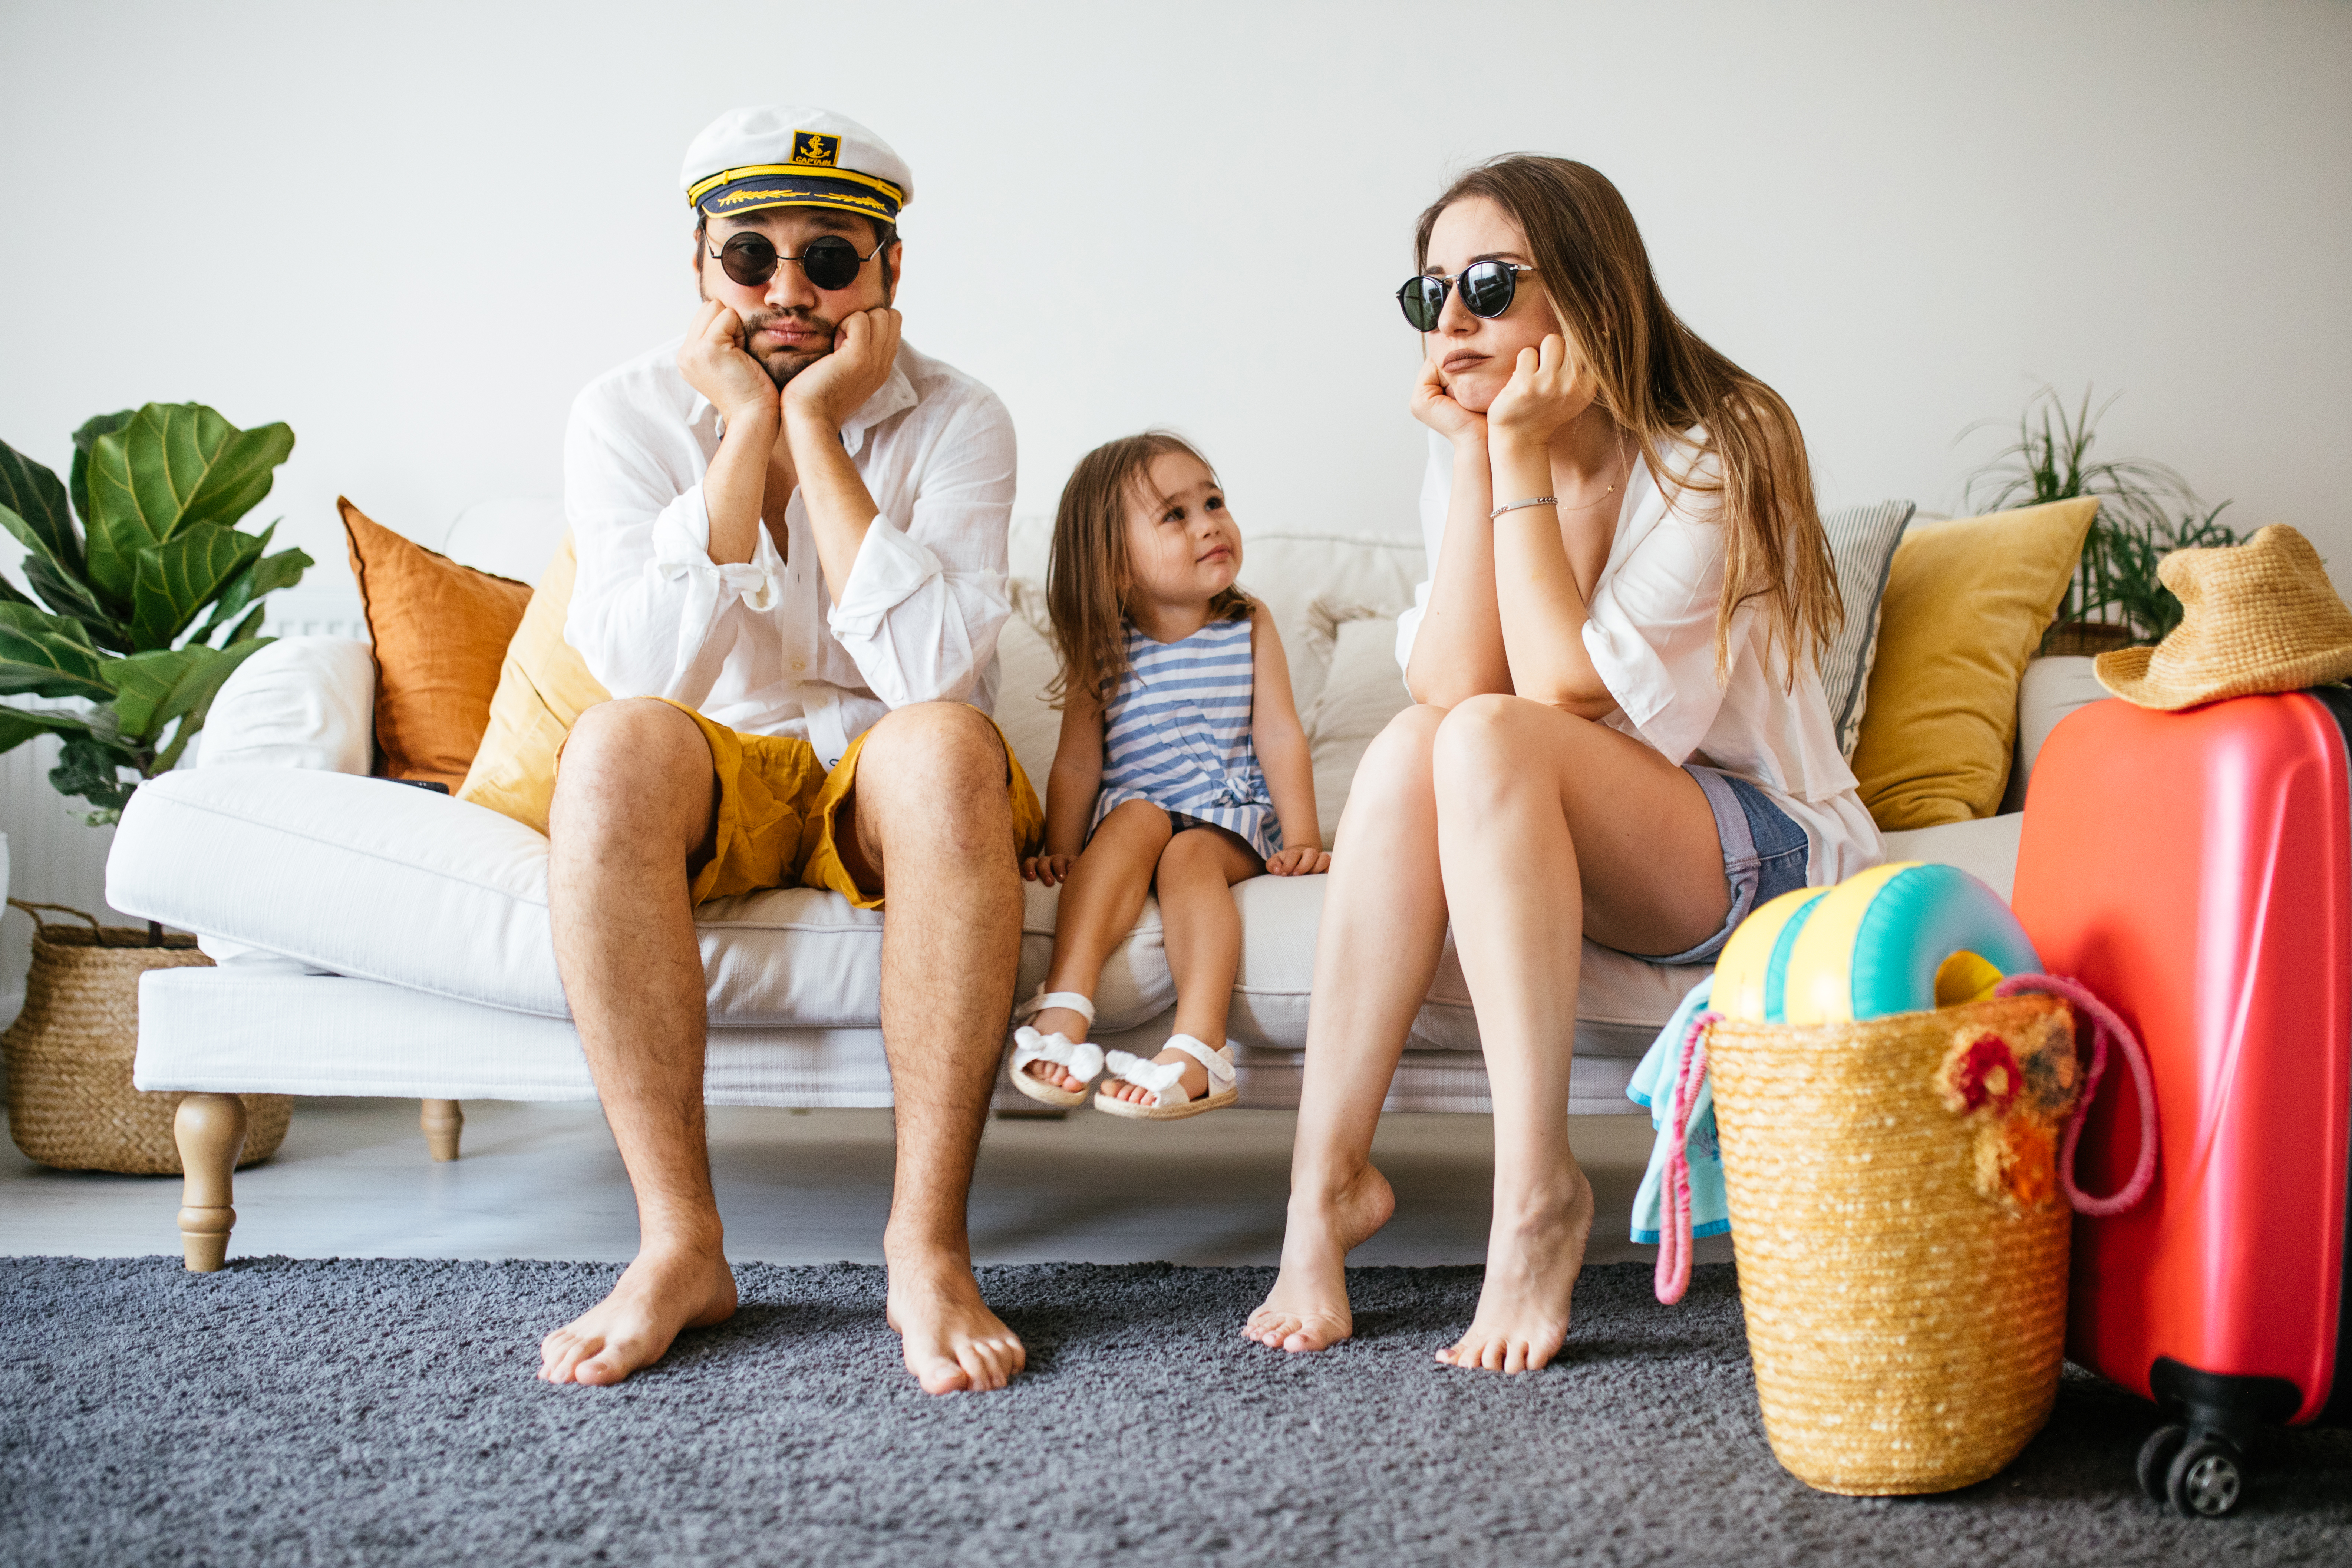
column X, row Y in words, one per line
column 1618, row 731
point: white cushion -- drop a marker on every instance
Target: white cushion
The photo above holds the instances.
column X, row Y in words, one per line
column 1362, row 691
column 372, row 879
column 2053, row 688
column 300, row 702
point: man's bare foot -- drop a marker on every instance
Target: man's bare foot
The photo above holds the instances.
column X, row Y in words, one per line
column 953, row 1341
column 1072, row 1027
column 1532, row 1262
column 657, row 1295
column 1308, row 1308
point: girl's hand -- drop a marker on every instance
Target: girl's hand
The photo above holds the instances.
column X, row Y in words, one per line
column 1303, row 860
column 1048, row 869
column 1434, row 406
column 1542, row 395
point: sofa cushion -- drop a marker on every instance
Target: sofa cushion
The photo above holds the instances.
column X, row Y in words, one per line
column 1362, row 691
column 364, row 878
column 440, row 632
column 1966, row 605
column 300, row 702
column 1862, row 544
column 543, row 687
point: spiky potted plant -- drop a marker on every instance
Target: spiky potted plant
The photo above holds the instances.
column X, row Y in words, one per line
column 144, row 596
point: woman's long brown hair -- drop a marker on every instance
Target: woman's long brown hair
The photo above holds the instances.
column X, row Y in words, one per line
column 1086, row 583
column 1658, row 379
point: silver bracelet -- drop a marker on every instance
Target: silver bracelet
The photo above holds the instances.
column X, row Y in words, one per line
column 1539, row 501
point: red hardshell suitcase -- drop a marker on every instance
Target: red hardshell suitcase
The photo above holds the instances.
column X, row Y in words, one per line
column 2195, row 870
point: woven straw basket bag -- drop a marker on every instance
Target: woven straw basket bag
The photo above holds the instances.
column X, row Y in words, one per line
column 1901, row 1231
column 69, row 1053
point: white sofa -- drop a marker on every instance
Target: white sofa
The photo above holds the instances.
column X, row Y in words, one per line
column 382, row 941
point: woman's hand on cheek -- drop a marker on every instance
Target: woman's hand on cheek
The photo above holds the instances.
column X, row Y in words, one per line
column 1541, row 396
column 1434, row 406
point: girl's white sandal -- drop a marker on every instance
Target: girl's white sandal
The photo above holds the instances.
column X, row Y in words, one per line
column 1081, row 1061
column 1169, row 1102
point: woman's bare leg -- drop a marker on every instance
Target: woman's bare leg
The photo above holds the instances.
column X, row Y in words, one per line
column 1204, row 933
column 1375, row 951
column 1549, row 828
column 1101, row 898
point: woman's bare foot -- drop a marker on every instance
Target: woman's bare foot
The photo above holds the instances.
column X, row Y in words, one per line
column 1072, row 1027
column 1308, row 1308
column 953, row 1341
column 660, row 1293
column 1532, row 1262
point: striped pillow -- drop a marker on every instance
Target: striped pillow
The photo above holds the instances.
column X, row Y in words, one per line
column 1861, row 542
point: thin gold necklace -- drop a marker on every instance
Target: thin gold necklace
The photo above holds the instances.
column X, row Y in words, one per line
column 1611, row 490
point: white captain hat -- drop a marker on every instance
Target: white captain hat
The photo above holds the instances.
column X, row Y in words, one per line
column 793, row 155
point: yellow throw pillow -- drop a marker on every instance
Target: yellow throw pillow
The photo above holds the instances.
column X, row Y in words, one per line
column 543, row 687
column 1964, row 607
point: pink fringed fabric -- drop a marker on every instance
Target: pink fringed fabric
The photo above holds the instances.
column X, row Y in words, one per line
column 1673, row 1276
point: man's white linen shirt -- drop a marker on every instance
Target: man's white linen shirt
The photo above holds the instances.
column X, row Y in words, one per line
column 762, row 646
column 1650, row 630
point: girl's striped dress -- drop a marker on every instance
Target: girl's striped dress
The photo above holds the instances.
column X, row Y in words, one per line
column 1177, row 734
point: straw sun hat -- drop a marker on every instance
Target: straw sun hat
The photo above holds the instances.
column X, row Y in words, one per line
column 2257, row 617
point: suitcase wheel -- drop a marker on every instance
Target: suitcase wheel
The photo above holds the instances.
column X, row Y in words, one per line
column 2156, row 1460
column 2206, row 1479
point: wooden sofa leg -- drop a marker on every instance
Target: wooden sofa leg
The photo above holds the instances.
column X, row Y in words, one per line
column 210, row 1132
column 443, row 1121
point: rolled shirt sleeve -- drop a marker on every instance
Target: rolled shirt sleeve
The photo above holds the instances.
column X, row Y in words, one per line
column 649, row 599
column 924, row 603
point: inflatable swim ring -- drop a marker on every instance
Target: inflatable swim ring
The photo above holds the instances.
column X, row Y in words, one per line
column 1902, row 938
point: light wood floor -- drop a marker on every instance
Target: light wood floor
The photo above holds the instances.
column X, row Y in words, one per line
column 542, row 1181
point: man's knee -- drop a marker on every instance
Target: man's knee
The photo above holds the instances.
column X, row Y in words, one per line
column 939, row 770
column 627, row 764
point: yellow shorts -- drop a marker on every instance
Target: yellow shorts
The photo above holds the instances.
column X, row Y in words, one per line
column 778, row 815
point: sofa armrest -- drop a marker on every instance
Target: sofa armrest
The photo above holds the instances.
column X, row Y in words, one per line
column 2053, row 687
column 301, row 702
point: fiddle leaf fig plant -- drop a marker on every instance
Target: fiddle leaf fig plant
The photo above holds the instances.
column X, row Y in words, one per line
column 138, row 544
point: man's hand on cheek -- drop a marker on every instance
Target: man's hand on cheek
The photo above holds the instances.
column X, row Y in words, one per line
column 864, row 348
column 713, row 361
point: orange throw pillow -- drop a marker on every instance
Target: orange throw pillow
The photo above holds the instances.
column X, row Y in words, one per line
column 441, row 632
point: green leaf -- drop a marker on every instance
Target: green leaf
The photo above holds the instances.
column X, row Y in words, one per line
column 18, row 725
column 267, row 575
column 87, row 767
column 97, row 425
column 11, row 595
column 173, row 465
column 33, row 508
column 152, row 688
column 49, row 655
column 248, row 628
column 73, row 600
column 179, row 577
column 191, row 701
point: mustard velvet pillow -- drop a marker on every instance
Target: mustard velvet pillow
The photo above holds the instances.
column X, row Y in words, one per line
column 543, row 687
column 1964, row 607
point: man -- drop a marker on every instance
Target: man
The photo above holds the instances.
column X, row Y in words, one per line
column 790, row 532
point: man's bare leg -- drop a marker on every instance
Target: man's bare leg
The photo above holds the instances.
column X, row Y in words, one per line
column 1382, row 933
column 632, row 807
column 934, row 819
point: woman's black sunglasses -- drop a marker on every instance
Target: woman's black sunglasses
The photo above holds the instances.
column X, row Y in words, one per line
column 830, row 262
column 1486, row 290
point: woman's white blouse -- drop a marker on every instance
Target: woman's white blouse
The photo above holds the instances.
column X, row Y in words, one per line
column 1650, row 630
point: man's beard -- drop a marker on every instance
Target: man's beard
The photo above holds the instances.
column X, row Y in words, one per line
column 782, row 364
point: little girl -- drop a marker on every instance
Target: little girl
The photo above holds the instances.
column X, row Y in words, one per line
column 1182, row 767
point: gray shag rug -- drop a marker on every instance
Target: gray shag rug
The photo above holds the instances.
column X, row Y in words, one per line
column 384, row 1412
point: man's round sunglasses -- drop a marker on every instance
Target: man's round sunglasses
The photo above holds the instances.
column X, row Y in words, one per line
column 1486, row 290
column 831, row 262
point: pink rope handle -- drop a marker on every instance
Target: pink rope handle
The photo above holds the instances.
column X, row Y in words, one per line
column 1673, row 1270
column 2103, row 1023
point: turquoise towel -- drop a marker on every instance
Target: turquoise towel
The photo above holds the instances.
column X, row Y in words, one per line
column 1653, row 1086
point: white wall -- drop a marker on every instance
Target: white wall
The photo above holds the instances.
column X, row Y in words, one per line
column 413, row 231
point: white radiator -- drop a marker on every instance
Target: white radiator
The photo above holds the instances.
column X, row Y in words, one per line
column 54, row 856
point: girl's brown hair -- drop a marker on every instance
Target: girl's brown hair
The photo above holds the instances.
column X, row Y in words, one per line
column 1658, row 379
column 1088, row 582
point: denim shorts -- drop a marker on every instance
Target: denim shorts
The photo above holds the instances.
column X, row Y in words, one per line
column 1765, row 853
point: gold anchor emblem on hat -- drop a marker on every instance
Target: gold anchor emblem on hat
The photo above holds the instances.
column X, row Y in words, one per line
column 816, row 147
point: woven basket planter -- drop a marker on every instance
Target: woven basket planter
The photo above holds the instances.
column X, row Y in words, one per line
column 1901, row 1237
column 69, row 1055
